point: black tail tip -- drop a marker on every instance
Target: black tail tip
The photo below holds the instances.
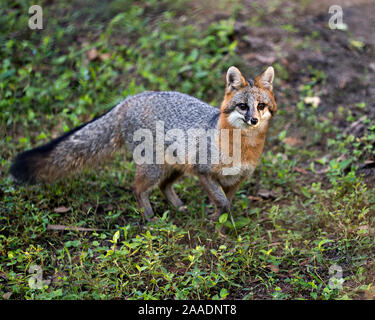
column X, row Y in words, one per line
column 23, row 168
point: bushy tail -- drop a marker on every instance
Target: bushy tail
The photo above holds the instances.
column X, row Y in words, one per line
column 85, row 145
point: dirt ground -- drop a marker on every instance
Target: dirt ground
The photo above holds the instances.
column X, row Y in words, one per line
column 347, row 57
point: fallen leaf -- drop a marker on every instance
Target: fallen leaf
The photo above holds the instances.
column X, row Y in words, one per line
column 60, row 227
column 254, row 198
column 300, row 170
column 92, row 54
column 304, row 262
column 292, row 141
column 266, row 59
column 265, row 194
column 274, row 268
column 370, row 294
column 249, row 56
column 314, row 101
column 7, row 295
column 105, row 56
column 357, row 44
column 363, row 227
column 62, row 209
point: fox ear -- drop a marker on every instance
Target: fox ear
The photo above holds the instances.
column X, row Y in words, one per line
column 265, row 80
column 235, row 80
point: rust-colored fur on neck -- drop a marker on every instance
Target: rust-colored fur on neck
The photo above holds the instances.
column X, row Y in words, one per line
column 250, row 153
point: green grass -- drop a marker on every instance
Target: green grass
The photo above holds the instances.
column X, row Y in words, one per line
column 320, row 212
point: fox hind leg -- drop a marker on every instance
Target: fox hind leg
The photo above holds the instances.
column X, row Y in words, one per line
column 145, row 180
column 166, row 186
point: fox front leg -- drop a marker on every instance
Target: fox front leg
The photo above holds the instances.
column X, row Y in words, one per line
column 216, row 195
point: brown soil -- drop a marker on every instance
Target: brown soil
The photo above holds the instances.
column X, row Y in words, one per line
column 300, row 41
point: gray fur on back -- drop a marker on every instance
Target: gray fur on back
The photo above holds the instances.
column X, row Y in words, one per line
column 176, row 110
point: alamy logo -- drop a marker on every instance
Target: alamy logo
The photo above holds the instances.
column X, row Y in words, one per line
column 36, row 279
column 336, row 20
column 336, row 280
column 36, row 20
column 194, row 146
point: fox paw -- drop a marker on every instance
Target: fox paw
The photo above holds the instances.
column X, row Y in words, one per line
column 214, row 216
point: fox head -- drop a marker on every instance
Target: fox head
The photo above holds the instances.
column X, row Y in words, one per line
column 248, row 105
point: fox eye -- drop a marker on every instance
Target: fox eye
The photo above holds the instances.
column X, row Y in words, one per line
column 242, row 106
column 261, row 106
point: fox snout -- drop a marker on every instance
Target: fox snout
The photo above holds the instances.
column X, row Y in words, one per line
column 244, row 118
column 250, row 118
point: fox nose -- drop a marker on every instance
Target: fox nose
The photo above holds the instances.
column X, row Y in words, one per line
column 253, row 121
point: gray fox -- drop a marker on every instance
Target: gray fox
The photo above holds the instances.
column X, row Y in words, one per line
column 247, row 108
